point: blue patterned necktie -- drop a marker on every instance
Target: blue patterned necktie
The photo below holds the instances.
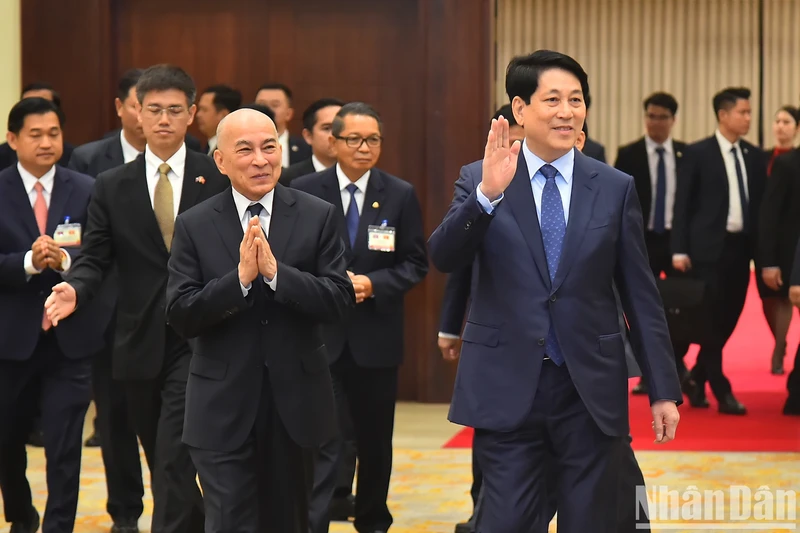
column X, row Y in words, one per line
column 554, row 227
column 352, row 214
column 659, row 220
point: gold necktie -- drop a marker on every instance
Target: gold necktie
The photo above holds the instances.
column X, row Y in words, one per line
column 163, row 206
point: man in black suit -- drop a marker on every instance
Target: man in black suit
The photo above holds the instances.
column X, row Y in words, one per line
column 131, row 223
column 653, row 161
column 714, row 230
column 278, row 97
column 592, row 148
column 214, row 104
column 113, row 426
column 36, row 90
column 36, row 198
column 380, row 221
column 317, row 123
column 253, row 274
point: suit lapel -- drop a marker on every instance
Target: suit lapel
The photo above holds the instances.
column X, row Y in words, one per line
column 374, row 197
column 332, row 195
column 581, row 205
column 191, row 187
column 62, row 188
column 114, row 153
column 139, row 194
column 229, row 225
column 519, row 196
column 19, row 198
column 644, row 164
column 282, row 221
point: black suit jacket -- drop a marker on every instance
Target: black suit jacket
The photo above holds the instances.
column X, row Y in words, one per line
column 123, row 232
column 299, row 150
column 632, row 160
column 235, row 335
column 594, row 149
column 8, row 157
column 374, row 331
column 779, row 229
column 97, row 156
column 700, row 214
column 303, row 168
column 192, row 142
column 22, row 297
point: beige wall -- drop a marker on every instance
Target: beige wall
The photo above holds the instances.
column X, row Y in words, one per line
column 10, row 59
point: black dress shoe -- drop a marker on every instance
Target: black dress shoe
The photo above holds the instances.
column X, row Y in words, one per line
column 93, row 441
column 792, row 406
column 126, row 525
column 36, row 439
column 641, row 388
column 466, row 527
column 342, row 509
column 730, row 406
column 688, row 386
column 697, row 398
column 28, row 526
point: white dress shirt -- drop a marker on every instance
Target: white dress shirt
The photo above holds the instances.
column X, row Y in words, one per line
column 318, row 166
column 283, row 138
column 242, row 203
column 177, row 164
column 735, row 216
column 671, row 171
column 129, row 152
column 212, row 145
column 47, row 181
column 361, row 184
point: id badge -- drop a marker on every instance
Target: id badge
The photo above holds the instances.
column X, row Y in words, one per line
column 381, row 238
column 67, row 234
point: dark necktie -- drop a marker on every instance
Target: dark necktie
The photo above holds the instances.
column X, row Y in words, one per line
column 659, row 216
column 554, row 228
column 254, row 210
column 742, row 195
column 352, row 214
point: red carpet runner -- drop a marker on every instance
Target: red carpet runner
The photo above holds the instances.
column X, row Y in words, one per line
column 747, row 364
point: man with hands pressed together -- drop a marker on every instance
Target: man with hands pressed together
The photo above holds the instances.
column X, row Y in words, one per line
column 543, row 370
column 254, row 271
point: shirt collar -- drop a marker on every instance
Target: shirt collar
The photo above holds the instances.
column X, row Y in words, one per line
column 344, row 181
column 725, row 144
column 652, row 145
column 129, row 152
column 242, row 202
column 564, row 164
column 283, row 138
column 177, row 162
column 318, row 166
column 29, row 180
column 212, row 142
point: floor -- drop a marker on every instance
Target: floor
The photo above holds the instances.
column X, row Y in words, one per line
column 430, row 485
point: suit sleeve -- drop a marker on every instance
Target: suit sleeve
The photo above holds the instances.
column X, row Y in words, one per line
column 78, row 163
column 455, row 242
column 795, row 276
column 643, row 307
column 685, row 186
column 772, row 210
column 12, row 270
column 97, row 248
column 328, row 295
column 454, row 303
column 192, row 304
column 410, row 252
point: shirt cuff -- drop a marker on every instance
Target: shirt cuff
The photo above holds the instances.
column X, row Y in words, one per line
column 245, row 290
column 66, row 260
column 484, row 202
column 272, row 284
column 28, row 263
column 443, row 335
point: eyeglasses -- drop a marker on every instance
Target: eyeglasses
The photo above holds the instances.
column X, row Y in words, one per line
column 355, row 141
column 173, row 111
column 657, row 118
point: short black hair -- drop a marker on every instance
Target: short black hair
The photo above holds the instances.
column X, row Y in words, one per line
column 31, row 106
column 165, row 78
column 727, row 98
column 665, row 100
column 793, row 112
column 225, row 97
column 280, row 86
column 354, row 108
column 310, row 114
column 42, row 86
column 128, row 80
column 508, row 113
column 262, row 108
column 523, row 73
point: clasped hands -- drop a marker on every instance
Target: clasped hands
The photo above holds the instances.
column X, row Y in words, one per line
column 46, row 254
column 362, row 286
column 255, row 255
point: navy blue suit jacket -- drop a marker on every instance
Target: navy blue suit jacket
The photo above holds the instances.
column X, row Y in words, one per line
column 513, row 300
column 22, row 297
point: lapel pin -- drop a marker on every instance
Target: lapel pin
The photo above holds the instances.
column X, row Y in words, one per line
column 375, row 205
column 679, row 154
column 745, row 150
column 294, row 148
column 200, row 179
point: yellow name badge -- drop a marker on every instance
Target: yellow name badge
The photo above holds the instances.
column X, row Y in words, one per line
column 67, row 234
column 380, row 238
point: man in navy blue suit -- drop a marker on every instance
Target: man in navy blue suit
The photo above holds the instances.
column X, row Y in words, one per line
column 548, row 232
column 36, row 197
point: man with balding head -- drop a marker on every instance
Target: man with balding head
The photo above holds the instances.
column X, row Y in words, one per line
column 254, row 272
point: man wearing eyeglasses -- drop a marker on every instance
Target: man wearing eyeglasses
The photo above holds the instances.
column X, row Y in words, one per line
column 381, row 224
column 131, row 222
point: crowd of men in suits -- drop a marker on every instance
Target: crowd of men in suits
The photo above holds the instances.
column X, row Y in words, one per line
column 177, row 263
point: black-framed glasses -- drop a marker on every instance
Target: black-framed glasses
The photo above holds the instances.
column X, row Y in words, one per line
column 355, row 141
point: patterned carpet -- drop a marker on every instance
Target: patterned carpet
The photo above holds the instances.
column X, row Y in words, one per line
column 429, row 492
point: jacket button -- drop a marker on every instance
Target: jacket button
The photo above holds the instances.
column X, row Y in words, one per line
column 553, row 298
column 264, row 322
column 541, row 342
